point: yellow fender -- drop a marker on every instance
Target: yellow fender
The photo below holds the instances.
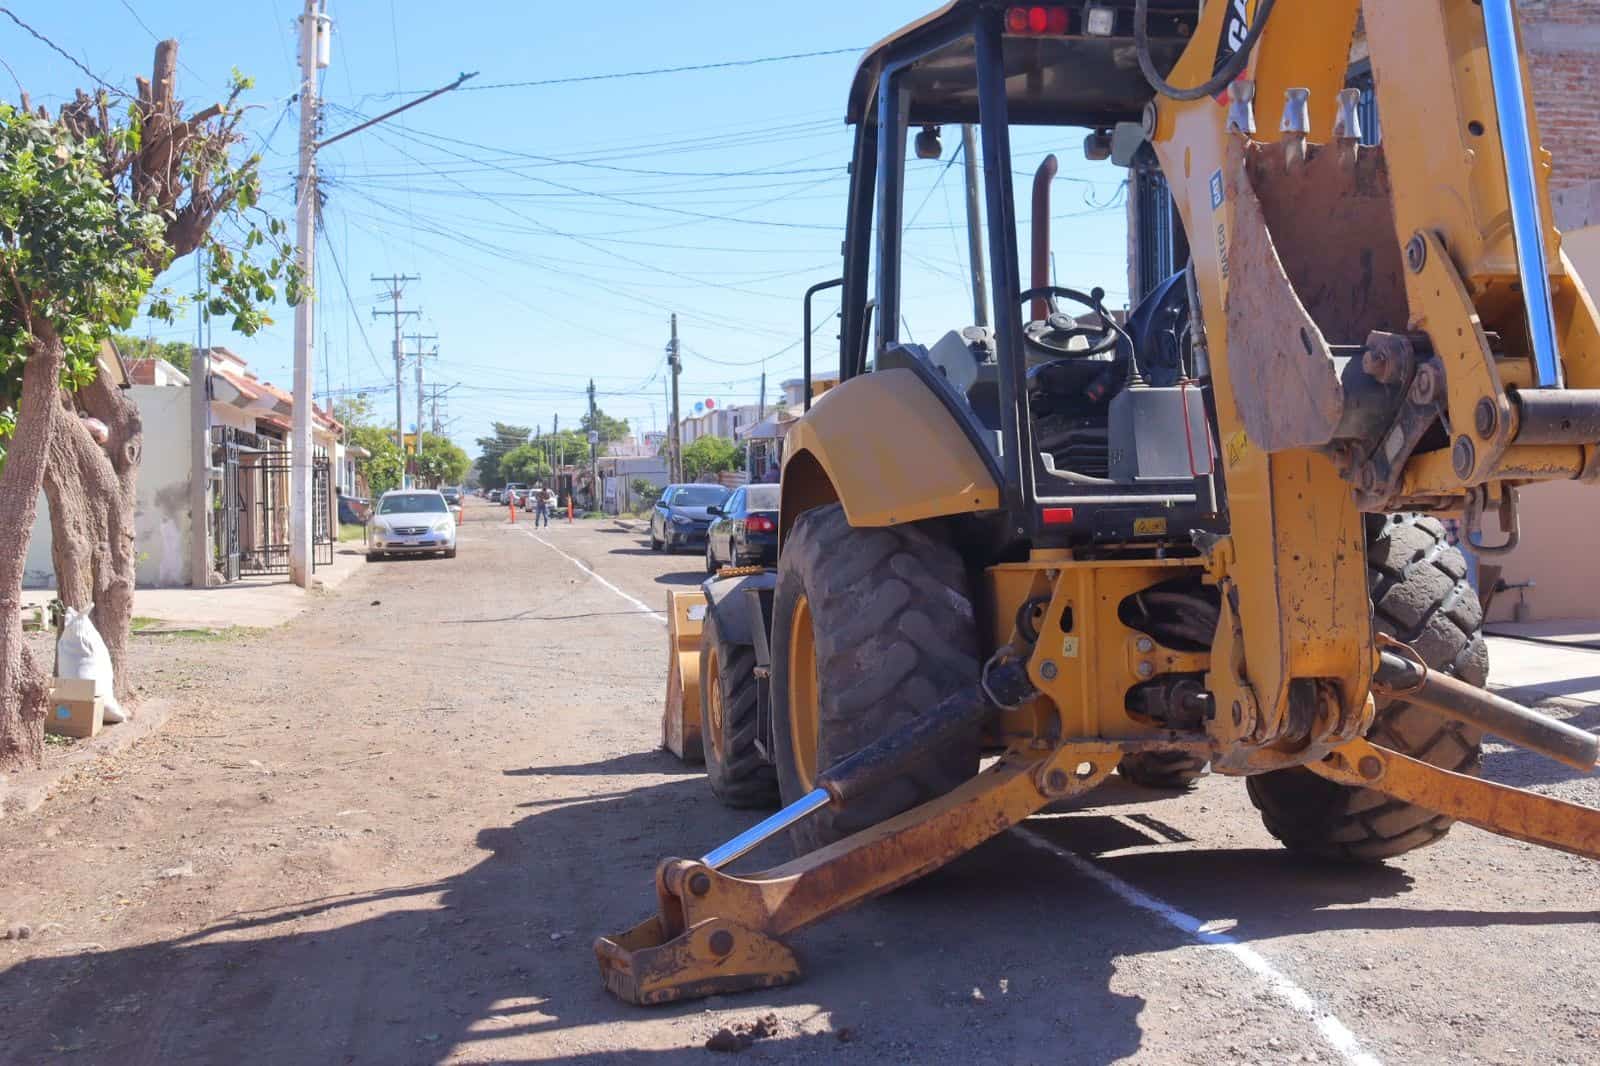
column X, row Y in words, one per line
column 884, row 446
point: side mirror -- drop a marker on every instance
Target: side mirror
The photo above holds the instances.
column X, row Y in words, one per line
column 716, row 509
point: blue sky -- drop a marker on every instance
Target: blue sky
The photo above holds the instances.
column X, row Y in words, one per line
column 555, row 228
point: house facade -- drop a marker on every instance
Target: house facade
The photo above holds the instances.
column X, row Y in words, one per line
column 242, row 528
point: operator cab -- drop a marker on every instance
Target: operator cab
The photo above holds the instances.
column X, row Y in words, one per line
column 1092, row 415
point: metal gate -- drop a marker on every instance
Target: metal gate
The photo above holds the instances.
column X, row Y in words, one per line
column 252, row 508
column 264, row 513
column 323, row 530
column 224, row 505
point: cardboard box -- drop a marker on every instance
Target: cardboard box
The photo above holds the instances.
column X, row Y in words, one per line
column 75, row 718
column 75, row 688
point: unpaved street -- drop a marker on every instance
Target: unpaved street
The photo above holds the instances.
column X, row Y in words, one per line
column 389, row 831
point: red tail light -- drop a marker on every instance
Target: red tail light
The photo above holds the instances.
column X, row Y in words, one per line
column 1058, row 516
column 760, row 524
column 1037, row 21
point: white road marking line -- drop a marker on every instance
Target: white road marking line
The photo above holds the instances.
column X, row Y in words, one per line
column 586, row 568
column 1334, row 1031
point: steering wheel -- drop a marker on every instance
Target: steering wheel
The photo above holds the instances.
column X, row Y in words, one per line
column 1056, row 332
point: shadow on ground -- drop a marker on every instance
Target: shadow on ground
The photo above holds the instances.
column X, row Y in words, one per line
column 495, row 963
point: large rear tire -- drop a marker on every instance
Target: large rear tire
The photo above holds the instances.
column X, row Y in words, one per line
column 871, row 627
column 739, row 776
column 1420, row 595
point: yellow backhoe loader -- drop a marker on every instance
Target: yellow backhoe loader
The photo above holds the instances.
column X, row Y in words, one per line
column 1062, row 540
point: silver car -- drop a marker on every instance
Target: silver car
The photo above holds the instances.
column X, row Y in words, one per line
column 411, row 522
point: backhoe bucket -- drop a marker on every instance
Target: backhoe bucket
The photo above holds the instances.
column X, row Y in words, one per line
column 680, row 717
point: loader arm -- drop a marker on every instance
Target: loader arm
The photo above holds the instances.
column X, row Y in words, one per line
column 1367, row 321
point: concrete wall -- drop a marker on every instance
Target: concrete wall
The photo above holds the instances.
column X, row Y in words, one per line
column 162, row 526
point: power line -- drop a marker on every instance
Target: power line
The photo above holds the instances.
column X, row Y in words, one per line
column 350, row 303
column 578, row 79
column 62, row 52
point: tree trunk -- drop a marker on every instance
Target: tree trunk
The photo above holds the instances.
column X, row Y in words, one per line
column 24, row 686
column 92, row 491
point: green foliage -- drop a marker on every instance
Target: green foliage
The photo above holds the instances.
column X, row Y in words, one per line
column 79, row 255
column 525, row 464
column 610, row 428
column 506, row 438
column 385, row 467
column 441, row 462
column 710, row 455
column 177, row 353
column 353, row 411
column 645, row 492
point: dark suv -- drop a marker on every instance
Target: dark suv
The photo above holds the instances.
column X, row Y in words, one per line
column 680, row 518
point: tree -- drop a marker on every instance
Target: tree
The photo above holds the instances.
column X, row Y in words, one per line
column 525, row 464
column 354, row 410
column 506, row 437
column 383, row 467
column 710, row 455
column 440, row 461
column 610, row 428
column 645, row 491
column 175, row 352
column 94, row 205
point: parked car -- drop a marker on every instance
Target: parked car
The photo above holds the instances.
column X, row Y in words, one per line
column 744, row 529
column 411, row 522
column 680, row 518
column 495, row 494
column 455, row 500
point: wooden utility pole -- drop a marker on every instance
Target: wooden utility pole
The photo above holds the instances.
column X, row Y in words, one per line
column 396, row 284
column 419, row 354
column 594, row 452
column 674, row 433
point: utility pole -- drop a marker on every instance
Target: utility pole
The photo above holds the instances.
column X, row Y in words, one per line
column 674, row 434
column 594, row 452
column 397, row 288
column 761, row 412
column 980, row 283
column 315, row 38
column 419, row 354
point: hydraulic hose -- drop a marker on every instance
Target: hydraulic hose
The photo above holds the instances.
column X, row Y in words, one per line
column 1212, row 85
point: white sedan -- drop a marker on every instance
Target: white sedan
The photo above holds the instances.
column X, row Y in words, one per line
column 411, row 522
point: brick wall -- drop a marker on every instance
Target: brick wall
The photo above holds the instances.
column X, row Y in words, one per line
column 1562, row 40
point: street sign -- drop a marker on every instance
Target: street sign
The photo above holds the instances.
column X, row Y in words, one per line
column 594, row 436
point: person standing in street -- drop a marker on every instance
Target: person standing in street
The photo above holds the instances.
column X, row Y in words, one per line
column 541, row 506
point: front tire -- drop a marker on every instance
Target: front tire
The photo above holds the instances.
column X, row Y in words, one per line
column 871, row 628
column 711, row 559
column 1420, row 595
column 739, row 776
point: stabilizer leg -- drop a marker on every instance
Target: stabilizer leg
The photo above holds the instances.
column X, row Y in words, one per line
column 719, row 933
column 1510, row 812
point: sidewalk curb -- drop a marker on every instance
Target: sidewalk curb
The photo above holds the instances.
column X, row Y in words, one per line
column 26, row 791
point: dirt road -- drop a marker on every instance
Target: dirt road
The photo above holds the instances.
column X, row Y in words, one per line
column 388, row 832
